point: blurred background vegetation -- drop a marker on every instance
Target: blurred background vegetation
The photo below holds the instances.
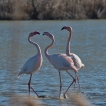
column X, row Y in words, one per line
column 52, row 9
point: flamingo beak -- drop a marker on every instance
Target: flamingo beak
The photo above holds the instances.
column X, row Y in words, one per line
column 43, row 34
column 62, row 28
column 38, row 33
column 33, row 33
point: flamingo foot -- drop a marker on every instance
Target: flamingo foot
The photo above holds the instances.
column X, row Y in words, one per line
column 61, row 96
column 65, row 96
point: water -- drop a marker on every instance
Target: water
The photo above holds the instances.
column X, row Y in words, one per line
column 88, row 42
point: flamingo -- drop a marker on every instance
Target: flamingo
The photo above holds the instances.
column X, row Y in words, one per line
column 60, row 62
column 33, row 64
column 77, row 61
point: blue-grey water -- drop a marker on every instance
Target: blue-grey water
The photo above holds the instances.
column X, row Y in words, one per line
column 88, row 42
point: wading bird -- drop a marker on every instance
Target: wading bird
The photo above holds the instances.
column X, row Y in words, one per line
column 77, row 61
column 34, row 63
column 60, row 62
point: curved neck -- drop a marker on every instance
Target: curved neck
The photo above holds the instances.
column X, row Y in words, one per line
column 68, row 44
column 46, row 49
column 37, row 46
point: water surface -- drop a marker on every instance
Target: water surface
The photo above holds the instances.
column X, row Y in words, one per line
column 88, row 42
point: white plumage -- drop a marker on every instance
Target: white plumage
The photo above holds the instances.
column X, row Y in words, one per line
column 77, row 61
column 33, row 64
column 60, row 62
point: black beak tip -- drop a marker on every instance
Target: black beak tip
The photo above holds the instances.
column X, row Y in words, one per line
column 62, row 28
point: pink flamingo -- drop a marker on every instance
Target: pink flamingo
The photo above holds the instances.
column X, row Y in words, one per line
column 33, row 64
column 77, row 61
column 60, row 62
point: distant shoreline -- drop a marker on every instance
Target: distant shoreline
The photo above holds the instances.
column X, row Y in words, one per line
column 52, row 9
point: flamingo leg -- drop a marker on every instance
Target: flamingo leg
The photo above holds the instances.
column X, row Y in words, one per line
column 74, row 80
column 34, row 91
column 72, row 77
column 29, row 86
column 60, row 83
column 68, row 88
column 77, row 78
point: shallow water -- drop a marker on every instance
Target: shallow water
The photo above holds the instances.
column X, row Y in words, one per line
column 88, row 42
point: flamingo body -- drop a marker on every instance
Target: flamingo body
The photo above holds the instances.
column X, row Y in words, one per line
column 29, row 67
column 77, row 61
column 60, row 61
column 32, row 64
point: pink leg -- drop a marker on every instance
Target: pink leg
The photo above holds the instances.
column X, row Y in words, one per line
column 34, row 91
column 74, row 80
column 72, row 77
column 60, row 84
column 29, row 86
column 68, row 88
column 77, row 78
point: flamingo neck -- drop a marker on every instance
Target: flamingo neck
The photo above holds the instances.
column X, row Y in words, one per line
column 46, row 49
column 68, row 44
column 37, row 46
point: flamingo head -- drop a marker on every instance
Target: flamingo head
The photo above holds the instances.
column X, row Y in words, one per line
column 49, row 35
column 33, row 33
column 68, row 28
